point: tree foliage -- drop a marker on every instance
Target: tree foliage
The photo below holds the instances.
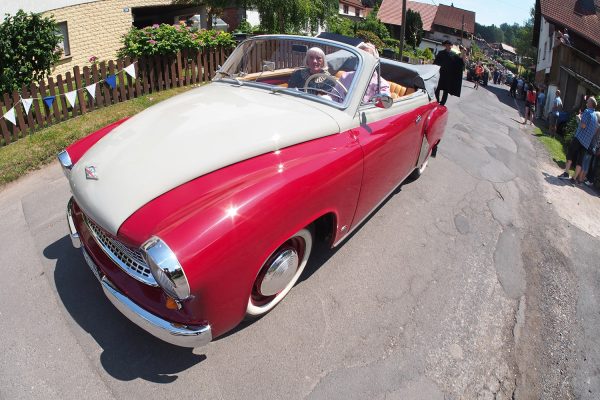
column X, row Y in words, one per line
column 293, row 16
column 28, row 49
column 414, row 28
column 373, row 24
column 340, row 25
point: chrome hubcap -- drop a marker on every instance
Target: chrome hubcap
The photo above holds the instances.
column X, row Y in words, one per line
column 280, row 273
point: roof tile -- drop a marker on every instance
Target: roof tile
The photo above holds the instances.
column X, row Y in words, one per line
column 390, row 12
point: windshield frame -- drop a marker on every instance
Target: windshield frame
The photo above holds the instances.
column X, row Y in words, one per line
column 222, row 76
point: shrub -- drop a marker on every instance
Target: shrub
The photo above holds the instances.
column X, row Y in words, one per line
column 371, row 37
column 339, row 25
column 28, row 49
column 244, row 27
column 391, row 43
column 167, row 40
column 428, row 54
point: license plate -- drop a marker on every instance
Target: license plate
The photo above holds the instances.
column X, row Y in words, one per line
column 91, row 264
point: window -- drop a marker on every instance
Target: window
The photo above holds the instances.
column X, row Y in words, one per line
column 357, row 12
column 346, row 9
column 63, row 33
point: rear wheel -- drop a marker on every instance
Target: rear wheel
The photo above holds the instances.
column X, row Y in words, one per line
column 279, row 273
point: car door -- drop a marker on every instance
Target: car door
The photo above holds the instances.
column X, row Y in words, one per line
column 390, row 139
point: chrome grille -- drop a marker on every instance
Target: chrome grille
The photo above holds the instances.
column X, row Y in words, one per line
column 129, row 259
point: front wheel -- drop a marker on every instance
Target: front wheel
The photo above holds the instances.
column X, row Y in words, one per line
column 279, row 273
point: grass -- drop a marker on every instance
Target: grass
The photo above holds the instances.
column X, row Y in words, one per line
column 554, row 145
column 41, row 148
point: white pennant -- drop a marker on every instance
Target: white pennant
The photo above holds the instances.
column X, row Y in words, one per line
column 26, row 104
column 72, row 97
column 10, row 115
column 91, row 90
column 130, row 70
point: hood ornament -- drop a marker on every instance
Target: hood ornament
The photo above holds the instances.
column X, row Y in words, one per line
column 90, row 173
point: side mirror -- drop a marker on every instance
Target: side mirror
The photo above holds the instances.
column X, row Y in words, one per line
column 382, row 100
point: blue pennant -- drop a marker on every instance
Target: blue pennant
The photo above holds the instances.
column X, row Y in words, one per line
column 111, row 80
column 49, row 100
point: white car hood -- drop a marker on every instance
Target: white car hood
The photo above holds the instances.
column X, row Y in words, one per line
column 185, row 137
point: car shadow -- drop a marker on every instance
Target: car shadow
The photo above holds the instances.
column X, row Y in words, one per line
column 128, row 352
column 503, row 96
column 321, row 253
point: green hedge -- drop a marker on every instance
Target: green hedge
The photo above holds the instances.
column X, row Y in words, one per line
column 168, row 39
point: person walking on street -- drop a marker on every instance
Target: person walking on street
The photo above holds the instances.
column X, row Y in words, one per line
column 513, row 87
column 541, row 101
column 451, row 70
column 582, row 140
column 530, row 99
column 478, row 75
column 557, row 107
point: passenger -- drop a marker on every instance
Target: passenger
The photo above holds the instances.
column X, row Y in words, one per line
column 315, row 64
column 376, row 85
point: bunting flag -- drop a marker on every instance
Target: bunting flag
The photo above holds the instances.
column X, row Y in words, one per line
column 91, row 89
column 111, row 80
column 130, row 70
column 71, row 97
column 49, row 100
column 26, row 104
column 10, row 115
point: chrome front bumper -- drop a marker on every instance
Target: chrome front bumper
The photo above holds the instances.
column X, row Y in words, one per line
column 177, row 334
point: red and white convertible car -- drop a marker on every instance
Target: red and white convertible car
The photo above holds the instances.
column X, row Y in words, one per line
column 203, row 209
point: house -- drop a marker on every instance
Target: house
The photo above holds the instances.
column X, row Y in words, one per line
column 440, row 22
column 353, row 9
column 507, row 52
column 95, row 27
column 571, row 65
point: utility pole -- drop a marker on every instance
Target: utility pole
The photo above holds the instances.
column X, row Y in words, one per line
column 402, row 28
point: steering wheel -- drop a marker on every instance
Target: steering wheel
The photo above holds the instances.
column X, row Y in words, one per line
column 322, row 77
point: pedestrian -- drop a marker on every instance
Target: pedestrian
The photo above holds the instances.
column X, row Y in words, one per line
column 588, row 165
column 520, row 86
column 513, row 87
column 451, row 71
column 557, row 107
column 530, row 99
column 478, row 75
column 541, row 101
column 582, row 141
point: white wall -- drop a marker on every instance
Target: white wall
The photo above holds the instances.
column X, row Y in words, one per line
column 351, row 11
column 253, row 17
column 545, row 46
column 12, row 6
column 440, row 37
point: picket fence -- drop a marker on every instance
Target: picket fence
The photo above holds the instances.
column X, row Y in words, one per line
column 153, row 74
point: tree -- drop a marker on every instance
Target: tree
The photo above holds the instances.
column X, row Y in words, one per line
column 373, row 24
column 291, row 16
column 28, row 49
column 339, row 25
column 414, row 29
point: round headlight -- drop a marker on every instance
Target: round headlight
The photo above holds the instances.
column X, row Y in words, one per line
column 166, row 268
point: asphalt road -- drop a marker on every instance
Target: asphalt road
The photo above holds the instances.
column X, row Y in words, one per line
column 467, row 283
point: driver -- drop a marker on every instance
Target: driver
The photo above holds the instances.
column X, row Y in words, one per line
column 315, row 64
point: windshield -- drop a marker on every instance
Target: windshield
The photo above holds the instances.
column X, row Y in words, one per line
column 320, row 70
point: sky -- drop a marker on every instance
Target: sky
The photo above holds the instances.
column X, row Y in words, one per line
column 488, row 12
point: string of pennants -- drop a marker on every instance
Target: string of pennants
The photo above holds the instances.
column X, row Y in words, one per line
column 110, row 80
